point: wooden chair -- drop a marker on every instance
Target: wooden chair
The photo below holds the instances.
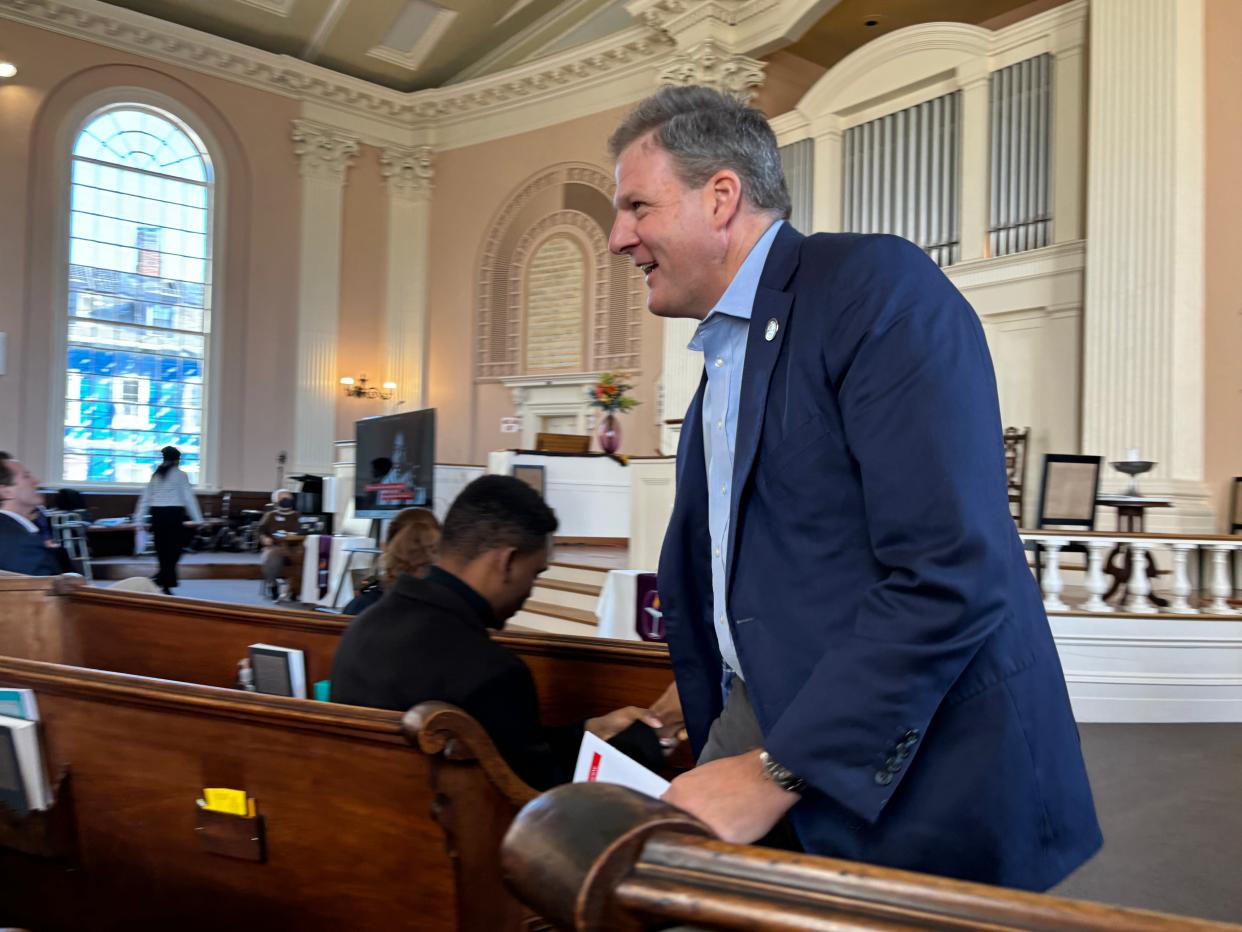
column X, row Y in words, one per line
column 562, row 443
column 1015, row 441
column 1067, row 492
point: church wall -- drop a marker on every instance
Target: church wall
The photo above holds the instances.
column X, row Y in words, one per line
column 1223, row 246
column 472, row 183
column 258, row 266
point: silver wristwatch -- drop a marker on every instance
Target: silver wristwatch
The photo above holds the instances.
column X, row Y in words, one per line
column 783, row 777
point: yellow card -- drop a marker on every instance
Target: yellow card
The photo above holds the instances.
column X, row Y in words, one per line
column 222, row 800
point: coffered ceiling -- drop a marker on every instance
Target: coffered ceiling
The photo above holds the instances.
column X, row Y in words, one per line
column 415, row 44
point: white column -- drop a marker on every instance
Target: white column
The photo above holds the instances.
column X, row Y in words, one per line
column 326, row 155
column 975, row 190
column 1097, row 582
column 1053, row 584
column 409, row 174
column 1143, row 330
column 1069, row 124
column 829, row 162
column 683, row 369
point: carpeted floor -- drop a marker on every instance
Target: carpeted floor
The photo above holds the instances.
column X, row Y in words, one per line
column 1169, row 798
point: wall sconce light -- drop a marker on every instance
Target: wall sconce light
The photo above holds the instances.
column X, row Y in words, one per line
column 359, row 389
column 7, row 69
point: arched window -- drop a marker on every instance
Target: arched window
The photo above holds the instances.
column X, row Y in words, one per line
column 139, row 289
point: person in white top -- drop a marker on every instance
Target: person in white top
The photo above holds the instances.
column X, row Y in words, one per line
column 173, row 508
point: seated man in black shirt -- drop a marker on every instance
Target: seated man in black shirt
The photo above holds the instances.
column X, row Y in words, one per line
column 427, row 638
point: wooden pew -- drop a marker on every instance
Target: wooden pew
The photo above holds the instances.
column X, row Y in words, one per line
column 591, row 856
column 200, row 642
column 349, row 837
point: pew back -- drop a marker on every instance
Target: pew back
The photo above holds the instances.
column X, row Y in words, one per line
column 346, row 801
column 200, row 642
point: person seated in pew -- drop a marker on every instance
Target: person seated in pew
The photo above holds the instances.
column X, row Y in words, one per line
column 282, row 558
column 410, row 546
column 22, row 548
column 428, row 638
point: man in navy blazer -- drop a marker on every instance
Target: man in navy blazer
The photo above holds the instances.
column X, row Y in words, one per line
column 22, row 547
column 860, row 649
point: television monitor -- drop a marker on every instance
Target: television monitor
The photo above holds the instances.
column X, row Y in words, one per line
column 394, row 463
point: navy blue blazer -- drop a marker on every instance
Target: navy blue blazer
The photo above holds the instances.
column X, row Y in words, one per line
column 893, row 640
column 23, row 552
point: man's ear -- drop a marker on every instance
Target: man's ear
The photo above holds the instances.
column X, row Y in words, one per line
column 505, row 558
column 725, row 188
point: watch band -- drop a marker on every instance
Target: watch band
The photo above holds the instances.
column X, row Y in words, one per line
column 781, row 776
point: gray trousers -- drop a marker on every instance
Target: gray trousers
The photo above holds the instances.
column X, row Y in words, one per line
column 736, row 731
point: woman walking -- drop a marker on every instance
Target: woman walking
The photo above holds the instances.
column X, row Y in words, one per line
column 173, row 507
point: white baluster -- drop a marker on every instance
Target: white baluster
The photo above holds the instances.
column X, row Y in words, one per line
column 1138, row 587
column 1053, row 584
column 1181, row 580
column 1220, row 581
column 1097, row 582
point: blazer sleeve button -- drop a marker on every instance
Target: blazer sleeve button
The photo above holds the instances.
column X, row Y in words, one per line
column 883, row 777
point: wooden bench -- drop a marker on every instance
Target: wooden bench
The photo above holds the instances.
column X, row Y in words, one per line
column 346, row 796
column 200, row 642
column 592, row 856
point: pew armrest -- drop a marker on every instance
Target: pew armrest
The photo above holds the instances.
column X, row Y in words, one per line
column 438, row 728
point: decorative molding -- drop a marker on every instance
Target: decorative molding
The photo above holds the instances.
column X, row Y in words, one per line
column 282, row 8
column 415, row 56
column 711, row 64
column 409, row 171
column 326, row 153
column 608, row 63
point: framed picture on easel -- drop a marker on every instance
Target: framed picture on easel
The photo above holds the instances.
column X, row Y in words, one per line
column 533, row 476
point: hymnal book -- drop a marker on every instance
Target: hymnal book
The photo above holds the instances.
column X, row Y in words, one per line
column 19, row 703
column 600, row 762
column 278, row 671
column 23, row 781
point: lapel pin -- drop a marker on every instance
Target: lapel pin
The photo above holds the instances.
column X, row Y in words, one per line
column 769, row 333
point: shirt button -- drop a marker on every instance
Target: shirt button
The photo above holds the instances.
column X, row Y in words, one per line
column 717, row 551
column 724, row 490
column 724, row 621
column 719, row 362
column 720, row 424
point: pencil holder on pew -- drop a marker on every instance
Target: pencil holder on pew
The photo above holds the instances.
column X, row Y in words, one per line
column 43, row 833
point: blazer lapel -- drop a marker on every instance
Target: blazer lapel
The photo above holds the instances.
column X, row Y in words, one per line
column 770, row 315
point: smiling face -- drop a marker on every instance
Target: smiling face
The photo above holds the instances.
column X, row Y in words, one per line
column 676, row 234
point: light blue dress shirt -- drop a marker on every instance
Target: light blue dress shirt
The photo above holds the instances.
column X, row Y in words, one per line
column 721, row 338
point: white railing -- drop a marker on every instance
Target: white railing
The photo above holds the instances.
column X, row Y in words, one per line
column 1138, row 589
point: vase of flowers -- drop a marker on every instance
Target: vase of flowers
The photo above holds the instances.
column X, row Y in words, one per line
column 609, row 395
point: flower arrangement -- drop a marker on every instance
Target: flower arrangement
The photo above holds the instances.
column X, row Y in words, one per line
column 609, row 393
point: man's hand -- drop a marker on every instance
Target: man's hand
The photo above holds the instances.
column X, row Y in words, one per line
column 668, row 709
column 732, row 797
column 606, row 726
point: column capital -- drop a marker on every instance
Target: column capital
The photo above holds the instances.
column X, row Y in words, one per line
column 326, row 153
column 409, row 171
column 711, row 64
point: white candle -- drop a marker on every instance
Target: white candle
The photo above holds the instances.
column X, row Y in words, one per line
column 1132, row 455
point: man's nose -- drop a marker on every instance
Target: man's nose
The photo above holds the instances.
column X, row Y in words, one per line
column 622, row 236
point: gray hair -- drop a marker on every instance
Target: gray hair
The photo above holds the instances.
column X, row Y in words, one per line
column 704, row 131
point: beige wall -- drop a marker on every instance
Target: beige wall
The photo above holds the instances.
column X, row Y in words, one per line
column 1223, row 241
column 259, row 209
column 472, row 184
column 360, row 344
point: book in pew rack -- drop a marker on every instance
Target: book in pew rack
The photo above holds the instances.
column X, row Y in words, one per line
column 23, row 779
column 19, row 703
column 278, row 671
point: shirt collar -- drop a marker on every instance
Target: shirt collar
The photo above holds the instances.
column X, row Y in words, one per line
column 738, row 299
column 22, row 520
column 471, row 596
